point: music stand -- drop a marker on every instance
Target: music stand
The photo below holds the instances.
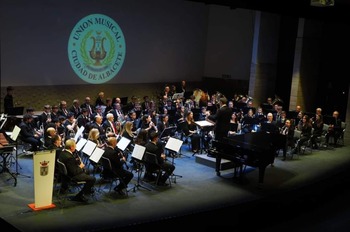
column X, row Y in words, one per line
column 96, row 154
column 205, row 127
column 14, row 137
column 177, row 95
column 167, row 132
column 173, row 146
column 137, row 154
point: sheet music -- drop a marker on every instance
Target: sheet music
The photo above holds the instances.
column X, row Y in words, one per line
column 178, row 95
column 15, row 133
column 174, row 144
column 204, row 123
column 80, row 144
column 79, row 133
column 138, row 152
column 89, row 147
column 123, row 143
column 96, row 155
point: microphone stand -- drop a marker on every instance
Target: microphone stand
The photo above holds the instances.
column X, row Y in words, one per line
column 173, row 176
column 17, row 164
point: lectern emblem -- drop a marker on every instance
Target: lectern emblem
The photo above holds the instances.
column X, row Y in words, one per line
column 44, row 168
column 96, row 49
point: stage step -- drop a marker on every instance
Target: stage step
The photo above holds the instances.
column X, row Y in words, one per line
column 211, row 162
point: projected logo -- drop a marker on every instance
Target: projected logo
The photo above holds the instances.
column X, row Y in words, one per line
column 96, row 49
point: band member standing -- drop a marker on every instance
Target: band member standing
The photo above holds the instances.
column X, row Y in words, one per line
column 221, row 119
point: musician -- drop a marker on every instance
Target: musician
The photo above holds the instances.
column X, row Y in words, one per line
column 127, row 132
column 8, row 99
column 335, row 128
column 270, row 126
column 83, row 118
column 117, row 162
column 190, row 129
column 118, row 113
column 317, row 124
column 142, row 137
column 248, row 122
column 288, row 131
column 221, row 119
column 76, row 170
column 280, row 122
column 45, row 116
column 132, row 117
column 109, row 125
column 145, row 105
column 203, row 114
column 100, row 99
column 259, row 115
column 63, row 111
column 49, row 133
column 75, row 108
column 234, row 125
column 87, row 105
column 57, row 145
column 148, row 125
column 305, row 129
column 54, row 112
column 98, row 125
column 98, row 112
column 109, row 106
column 163, row 123
column 28, row 133
column 157, row 148
column 180, row 115
column 71, row 126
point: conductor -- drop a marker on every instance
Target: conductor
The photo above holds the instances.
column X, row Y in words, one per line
column 221, row 119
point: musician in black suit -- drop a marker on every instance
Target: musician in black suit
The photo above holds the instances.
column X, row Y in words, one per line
column 288, row 131
column 221, row 119
column 117, row 162
column 8, row 100
column 335, row 128
column 156, row 147
column 28, row 134
column 76, row 170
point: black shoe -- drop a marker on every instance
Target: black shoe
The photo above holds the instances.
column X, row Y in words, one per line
column 162, row 184
column 63, row 191
column 149, row 177
column 80, row 198
column 119, row 191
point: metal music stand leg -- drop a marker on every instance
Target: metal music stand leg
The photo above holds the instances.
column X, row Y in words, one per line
column 17, row 164
column 139, row 173
column 174, row 176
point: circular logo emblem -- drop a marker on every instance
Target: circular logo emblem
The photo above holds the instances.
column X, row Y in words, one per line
column 96, row 48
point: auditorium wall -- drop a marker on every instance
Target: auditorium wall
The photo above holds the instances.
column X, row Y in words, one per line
column 166, row 42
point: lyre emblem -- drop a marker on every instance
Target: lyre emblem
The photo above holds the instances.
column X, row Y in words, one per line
column 97, row 51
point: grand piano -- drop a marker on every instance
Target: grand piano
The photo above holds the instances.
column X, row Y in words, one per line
column 256, row 149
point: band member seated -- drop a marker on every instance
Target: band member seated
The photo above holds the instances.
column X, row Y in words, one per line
column 288, row 131
column 29, row 134
column 156, row 147
column 117, row 162
column 190, row 130
column 270, row 126
column 335, row 129
column 76, row 170
column 306, row 128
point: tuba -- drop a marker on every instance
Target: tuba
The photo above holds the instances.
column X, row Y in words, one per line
column 277, row 100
